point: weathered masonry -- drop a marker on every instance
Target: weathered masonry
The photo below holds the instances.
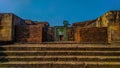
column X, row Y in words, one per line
column 7, row 26
column 105, row 29
column 16, row 29
column 110, row 20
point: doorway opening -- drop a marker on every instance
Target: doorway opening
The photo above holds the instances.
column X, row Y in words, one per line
column 61, row 36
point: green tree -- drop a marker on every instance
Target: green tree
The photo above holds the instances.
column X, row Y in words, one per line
column 66, row 23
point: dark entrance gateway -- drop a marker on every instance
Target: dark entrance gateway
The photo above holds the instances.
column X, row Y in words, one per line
column 60, row 33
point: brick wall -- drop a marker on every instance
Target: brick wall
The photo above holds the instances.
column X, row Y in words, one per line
column 29, row 22
column 91, row 35
column 17, row 20
column 29, row 34
column 7, row 24
column 45, row 26
column 115, row 33
column 50, row 34
column 70, row 32
column 6, row 27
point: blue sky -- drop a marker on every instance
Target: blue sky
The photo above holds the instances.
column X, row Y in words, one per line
column 55, row 11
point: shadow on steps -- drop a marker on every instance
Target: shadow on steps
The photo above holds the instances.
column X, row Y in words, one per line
column 3, row 55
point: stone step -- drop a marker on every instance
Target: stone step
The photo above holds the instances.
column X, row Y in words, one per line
column 60, row 49
column 61, row 64
column 60, row 58
column 60, row 53
column 59, row 45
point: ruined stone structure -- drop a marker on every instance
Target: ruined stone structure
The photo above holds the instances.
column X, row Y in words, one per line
column 110, row 20
column 16, row 29
column 7, row 26
column 100, row 30
column 103, row 29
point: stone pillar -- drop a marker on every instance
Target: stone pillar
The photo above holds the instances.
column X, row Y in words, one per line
column 109, row 35
column 65, row 34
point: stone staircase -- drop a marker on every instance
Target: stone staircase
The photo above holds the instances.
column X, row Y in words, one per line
column 59, row 56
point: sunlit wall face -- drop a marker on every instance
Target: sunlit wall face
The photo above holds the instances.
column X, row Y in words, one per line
column 55, row 11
